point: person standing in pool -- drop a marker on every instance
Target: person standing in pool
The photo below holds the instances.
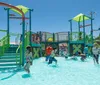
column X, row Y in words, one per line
column 95, row 51
column 83, row 56
column 52, row 57
column 86, row 50
column 29, row 59
column 48, row 52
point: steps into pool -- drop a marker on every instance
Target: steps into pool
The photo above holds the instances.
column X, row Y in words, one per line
column 8, row 60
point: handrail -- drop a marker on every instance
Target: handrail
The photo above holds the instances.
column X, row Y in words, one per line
column 27, row 35
column 4, row 44
column 19, row 48
column 79, row 36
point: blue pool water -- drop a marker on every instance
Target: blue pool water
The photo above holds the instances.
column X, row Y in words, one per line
column 67, row 72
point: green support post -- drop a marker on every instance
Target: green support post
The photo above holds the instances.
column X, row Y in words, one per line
column 69, row 42
column 40, row 36
column 23, row 41
column 57, row 37
column 8, row 9
column 53, row 37
column 79, row 29
column 30, row 10
column 8, row 24
column 70, row 26
column 58, row 47
column 79, row 26
column 45, row 37
column 84, row 29
column 92, row 26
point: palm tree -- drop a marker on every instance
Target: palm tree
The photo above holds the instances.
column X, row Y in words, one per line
column 97, row 40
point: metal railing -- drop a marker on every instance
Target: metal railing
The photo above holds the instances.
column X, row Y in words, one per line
column 4, row 45
column 19, row 49
column 77, row 36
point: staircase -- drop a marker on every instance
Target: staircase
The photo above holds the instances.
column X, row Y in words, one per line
column 8, row 60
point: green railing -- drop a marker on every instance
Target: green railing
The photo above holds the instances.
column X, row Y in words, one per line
column 27, row 39
column 19, row 49
column 77, row 36
column 4, row 45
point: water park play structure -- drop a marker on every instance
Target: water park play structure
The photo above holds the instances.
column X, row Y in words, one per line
column 4, row 42
column 75, row 41
column 78, row 40
column 72, row 42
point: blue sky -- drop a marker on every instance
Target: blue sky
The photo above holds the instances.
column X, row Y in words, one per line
column 52, row 15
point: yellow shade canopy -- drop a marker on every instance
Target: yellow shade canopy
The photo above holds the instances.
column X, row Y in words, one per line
column 23, row 8
column 79, row 17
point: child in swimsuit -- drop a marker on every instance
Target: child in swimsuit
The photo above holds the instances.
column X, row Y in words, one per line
column 95, row 51
column 48, row 52
column 86, row 51
column 29, row 59
column 52, row 57
column 83, row 56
